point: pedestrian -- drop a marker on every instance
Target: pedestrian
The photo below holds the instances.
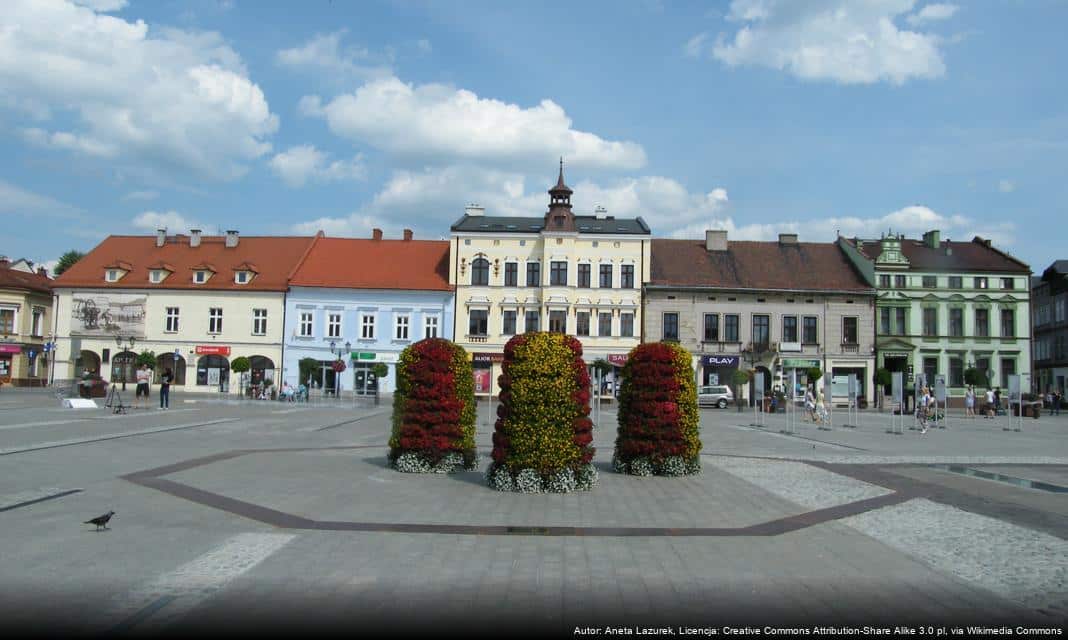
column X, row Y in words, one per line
column 988, row 408
column 810, row 404
column 143, row 378
column 921, row 409
column 969, row 402
column 165, row 389
column 1056, row 402
column 997, row 401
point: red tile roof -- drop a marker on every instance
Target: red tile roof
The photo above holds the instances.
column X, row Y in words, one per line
column 278, row 255
column 351, row 263
column 803, row 266
column 16, row 279
column 977, row 255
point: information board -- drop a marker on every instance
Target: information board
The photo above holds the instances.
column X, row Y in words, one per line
column 897, row 387
column 940, row 389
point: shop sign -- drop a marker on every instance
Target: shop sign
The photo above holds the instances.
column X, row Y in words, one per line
column 362, row 355
column 212, row 350
column 487, row 357
column 799, row 363
column 720, row 361
column 482, row 380
column 618, row 359
column 10, row 348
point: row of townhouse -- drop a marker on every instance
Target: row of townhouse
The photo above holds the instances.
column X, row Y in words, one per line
column 25, row 321
column 295, row 305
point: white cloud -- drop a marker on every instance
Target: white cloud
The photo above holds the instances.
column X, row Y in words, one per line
column 171, row 220
column 1006, row 186
column 932, row 13
column 297, row 165
column 15, row 200
column 162, row 99
column 435, row 121
column 103, row 6
column 838, row 40
column 696, row 45
column 325, row 53
column 141, row 195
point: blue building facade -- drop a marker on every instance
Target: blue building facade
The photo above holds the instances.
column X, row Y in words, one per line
column 362, row 327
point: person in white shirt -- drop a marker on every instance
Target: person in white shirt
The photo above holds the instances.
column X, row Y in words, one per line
column 989, row 403
column 969, row 402
column 144, row 377
column 921, row 409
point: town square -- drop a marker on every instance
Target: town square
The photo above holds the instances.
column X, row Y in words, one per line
column 737, row 317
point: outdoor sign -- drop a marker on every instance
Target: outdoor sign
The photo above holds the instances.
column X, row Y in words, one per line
column 105, row 314
column 213, row 376
column 482, row 380
column 897, row 387
column 212, row 350
column 852, row 387
column 362, row 355
column 1014, row 389
column 10, row 348
column 617, row 359
column 758, row 386
column 940, row 388
column 793, row 383
column 713, row 378
column 799, row 363
column 487, row 357
column 720, row 361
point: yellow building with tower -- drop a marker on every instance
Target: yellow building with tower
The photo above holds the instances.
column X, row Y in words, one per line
column 575, row 274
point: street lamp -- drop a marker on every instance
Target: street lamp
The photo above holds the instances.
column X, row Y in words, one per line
column 122, row 345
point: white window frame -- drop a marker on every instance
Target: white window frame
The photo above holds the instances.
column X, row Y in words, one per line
column 242, row 277
column 200, row 277
column 169, row 317
column 256, row 319
column 213, row 328
column 334, row 329
column 157, row 276
column 431, row 326
column 305, row 324
column 402, row 323
column 14, row 309
column 367, row 326
column 37, row 321
column 604, row 313
column 113, row 275
column 630, row 334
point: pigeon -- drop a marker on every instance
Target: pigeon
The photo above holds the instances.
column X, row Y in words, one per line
column 101, row 521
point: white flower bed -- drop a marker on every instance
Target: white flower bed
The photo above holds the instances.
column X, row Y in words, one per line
column 412, row 462
column 530, row 481
column 673, row 466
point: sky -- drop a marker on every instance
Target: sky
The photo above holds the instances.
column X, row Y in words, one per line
column 859, row 117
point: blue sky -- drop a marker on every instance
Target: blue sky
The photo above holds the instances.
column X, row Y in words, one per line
column 758, row 116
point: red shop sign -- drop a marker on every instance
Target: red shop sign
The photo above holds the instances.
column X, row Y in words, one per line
column 10, row 348
column 618, row 359
column 212, row 350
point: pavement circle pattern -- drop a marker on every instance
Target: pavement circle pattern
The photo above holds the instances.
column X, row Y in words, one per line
column 156, row 479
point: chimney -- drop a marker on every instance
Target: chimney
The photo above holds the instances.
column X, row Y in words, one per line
column 599, row 212
column 474, row 209
column 376, row 234
column 407, row 234
column 787, row 238
column 931, row 239
column 231, row 238
column 716, row 239
column 194, row 237
column 161, row 237
column 4, row 262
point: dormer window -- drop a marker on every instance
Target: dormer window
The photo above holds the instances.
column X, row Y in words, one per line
column 242, row 277
column 157, row 275
column 113, row 275
column 200, row 277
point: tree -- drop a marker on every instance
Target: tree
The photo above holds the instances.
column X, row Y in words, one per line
column 146, row 357
column 240, row 365
column 309, row 368
column 814, row 374
column 975, row 377
column 739, row 378
column 66, row 261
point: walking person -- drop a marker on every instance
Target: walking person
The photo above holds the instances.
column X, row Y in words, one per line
column 922, row 405
column 165, row 389
column 989, row 408
column 997, row 401
column 969, row 402
column 1056, row 402
column 144, row 376
column 810, row 404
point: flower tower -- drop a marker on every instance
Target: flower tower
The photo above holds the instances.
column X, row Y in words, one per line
column 658, row 418
column 541, row 441
column 433, row 409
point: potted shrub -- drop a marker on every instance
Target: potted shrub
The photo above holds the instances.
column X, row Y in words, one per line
column 740, row 378
column 433, row 409
column 658, row 418
column 240, row 366
column 542, row 437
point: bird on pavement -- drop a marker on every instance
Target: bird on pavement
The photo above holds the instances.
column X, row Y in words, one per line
column 101, row 521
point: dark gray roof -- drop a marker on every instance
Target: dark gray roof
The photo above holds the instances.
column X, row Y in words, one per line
column 517, row 224
column 1060, row 266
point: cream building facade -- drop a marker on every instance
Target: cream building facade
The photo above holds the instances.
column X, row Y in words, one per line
column 25, row 324
column 197, row 303
column 576, row 274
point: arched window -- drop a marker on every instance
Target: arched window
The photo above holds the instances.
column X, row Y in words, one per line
column 213, row 370
column 480, row 272
column 261, row 367
column 175, row 364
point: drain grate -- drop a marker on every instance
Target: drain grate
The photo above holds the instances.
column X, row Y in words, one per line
column 1001, row 477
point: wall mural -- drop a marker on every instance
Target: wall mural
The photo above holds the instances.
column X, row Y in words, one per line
column 108, row 315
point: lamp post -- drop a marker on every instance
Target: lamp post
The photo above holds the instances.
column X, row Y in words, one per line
column 122, row 345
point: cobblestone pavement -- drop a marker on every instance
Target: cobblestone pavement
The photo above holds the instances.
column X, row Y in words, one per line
column 261, row 515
